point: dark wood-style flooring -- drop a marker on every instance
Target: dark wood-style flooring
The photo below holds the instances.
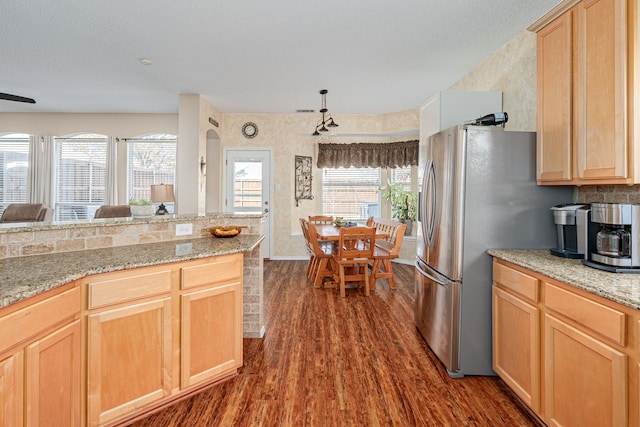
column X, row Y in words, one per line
column 332, row 361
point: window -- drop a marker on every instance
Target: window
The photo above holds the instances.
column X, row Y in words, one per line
column 14, row 169
column 150, row 160
column 402, row 175
column 351, row 193
column 80, row 176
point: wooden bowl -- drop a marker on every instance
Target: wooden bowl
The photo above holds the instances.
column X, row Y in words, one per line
column 226, row 230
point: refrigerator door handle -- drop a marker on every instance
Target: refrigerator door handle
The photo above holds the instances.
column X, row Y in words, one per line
column 429, row 204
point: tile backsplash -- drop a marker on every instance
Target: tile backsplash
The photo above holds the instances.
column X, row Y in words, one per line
column 609, row 194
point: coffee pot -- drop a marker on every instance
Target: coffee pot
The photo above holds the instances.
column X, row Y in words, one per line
column 613, row 241
column 615, row 245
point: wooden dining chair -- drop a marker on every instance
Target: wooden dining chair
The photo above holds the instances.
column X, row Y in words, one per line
column 320, row 219
column 355, row 250
column 385, row 250
column 311, row 266
column 325, row 266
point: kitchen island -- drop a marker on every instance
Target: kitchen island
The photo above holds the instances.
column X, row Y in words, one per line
column 566, row 338
column 98, row 337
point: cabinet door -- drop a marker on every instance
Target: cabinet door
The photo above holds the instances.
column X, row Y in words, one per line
column 11, row 391
column 52, row 381
column 585, row 379
column 129, row 359
column 211, row 333
column 516, row 346
column 601, row 90
column 554, row 144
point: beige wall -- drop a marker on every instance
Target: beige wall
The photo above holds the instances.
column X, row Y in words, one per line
column 290, row 135
column 511, row 69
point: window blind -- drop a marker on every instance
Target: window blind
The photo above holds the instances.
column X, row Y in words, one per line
column 352, row 193
column 150, row 160
column 14, row 169
column 80, row 176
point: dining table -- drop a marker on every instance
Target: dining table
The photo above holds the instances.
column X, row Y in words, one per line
column 330, row 232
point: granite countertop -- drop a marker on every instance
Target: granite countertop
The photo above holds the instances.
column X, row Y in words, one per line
column 27, row 276
column 619, row 287
column 112, row 222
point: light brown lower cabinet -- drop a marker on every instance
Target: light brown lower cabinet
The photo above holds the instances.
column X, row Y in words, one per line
column 11, row 394
column 52, row 380
column 41, row 369
column 129, row 358
column 516, row 335
column 155, row 333
column 585, row 379
column 571, row 356
column 210, row 322
column 135, row 340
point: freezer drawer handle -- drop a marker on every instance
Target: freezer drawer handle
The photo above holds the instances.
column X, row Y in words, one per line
column 431, row 277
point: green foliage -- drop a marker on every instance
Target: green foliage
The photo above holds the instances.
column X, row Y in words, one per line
column 404, row 204
column 139, row 202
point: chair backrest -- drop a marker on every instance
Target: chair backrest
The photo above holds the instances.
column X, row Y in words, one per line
column 320, row 219
column 313, row 240
column 113, row 211
column 356, row 243
column 304, row 225
column 26, row 212
column 394, row 229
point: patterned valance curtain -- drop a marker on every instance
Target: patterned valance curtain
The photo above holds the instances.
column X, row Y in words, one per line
column 368, row 155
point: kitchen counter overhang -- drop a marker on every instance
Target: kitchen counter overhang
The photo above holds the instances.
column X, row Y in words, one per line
column 618, row 287
column 28, row 276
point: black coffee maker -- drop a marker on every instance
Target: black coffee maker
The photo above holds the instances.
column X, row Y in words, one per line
column 572, row 220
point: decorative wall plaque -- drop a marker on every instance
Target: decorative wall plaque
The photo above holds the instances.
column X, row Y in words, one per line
column 303, row 178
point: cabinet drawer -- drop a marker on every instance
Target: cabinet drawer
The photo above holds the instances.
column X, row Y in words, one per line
column 128, row 286
column 516, row 281
column 219, row 269
column 30, row 321
column 606, row 321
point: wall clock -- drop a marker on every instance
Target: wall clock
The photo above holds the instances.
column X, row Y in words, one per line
column 249, row 130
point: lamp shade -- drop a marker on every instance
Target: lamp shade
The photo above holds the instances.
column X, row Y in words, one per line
column 162, row 193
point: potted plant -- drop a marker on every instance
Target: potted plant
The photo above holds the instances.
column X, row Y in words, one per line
column 404, row 204
column 141, row 208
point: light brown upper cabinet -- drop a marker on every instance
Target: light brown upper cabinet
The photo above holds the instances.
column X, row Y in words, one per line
column 587, row 54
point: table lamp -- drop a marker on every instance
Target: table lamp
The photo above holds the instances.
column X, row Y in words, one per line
column 162, row 193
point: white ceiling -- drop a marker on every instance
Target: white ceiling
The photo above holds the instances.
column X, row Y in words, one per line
column 247, row 56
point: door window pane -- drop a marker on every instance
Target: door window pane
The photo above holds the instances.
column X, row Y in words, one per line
column 247, row 188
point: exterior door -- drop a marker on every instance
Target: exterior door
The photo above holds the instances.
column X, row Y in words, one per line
column 248, row 182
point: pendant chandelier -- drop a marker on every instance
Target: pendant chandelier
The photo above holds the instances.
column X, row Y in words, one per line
column 326, row 122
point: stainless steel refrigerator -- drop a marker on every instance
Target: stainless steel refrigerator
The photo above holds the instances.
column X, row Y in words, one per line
column 478, row 193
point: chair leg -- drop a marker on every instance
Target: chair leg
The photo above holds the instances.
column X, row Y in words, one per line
column 313, row 268
column 342, row 284
column 317, row 282
column 366, row 280
column 374, row 274
column 389, row 269
column 310, row 265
